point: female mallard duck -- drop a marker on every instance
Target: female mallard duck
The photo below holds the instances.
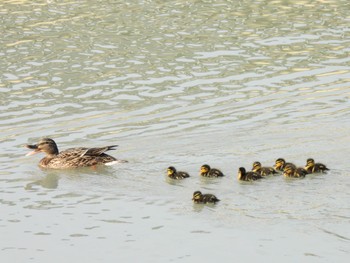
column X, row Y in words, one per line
column 243, row 175
column 172, row 173
column 263, row 171
column 280, row 163
column 207, row 171
column 200, row 198
column 312, row 167
column 293, row 172
column 73, row 157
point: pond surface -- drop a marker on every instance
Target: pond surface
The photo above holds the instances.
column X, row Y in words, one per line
column 178, row 83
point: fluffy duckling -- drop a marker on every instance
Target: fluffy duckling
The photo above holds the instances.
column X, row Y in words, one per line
column 312, row 167
column 207, row 171
column 280, row 164
column 200, row 198
column 263, row 171
column 243, row 175
column 293, row 172
column 172, row 173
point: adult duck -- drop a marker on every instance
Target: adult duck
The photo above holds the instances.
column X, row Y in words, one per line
column 72, row 157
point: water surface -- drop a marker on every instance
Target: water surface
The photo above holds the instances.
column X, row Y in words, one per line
column 175, row 83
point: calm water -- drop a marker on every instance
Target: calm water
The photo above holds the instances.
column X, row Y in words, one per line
column 178, row 83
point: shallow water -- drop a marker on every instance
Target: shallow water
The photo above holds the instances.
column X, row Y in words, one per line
column 175, row 83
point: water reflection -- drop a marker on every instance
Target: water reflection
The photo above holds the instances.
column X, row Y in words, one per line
column 50, row 181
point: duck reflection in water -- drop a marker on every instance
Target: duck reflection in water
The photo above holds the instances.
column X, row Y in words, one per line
column 50, row 181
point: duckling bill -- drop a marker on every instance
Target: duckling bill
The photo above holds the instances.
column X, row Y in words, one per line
column 174, row 174
column 72, row 157
column 200, row 198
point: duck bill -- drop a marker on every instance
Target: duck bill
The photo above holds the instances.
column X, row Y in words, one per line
column 35, row 147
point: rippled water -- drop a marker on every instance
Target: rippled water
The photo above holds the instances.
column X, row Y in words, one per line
column 178, row 83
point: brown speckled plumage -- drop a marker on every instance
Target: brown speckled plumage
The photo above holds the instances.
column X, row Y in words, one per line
column 72, row 157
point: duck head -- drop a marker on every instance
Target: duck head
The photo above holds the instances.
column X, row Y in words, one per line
column 45, row 145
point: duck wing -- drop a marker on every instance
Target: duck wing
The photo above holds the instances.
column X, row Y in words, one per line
column 98, row 151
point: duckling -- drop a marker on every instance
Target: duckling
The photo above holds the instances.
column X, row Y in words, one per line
column 312, row 167
column 280, row 163
column 207, row 171
column 293, row 172
column 263, row 171
column 172, row 173
column 200, row 198
column 247, row 176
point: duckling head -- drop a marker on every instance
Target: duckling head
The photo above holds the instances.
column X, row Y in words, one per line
column 279, row 163
column 197, row 195
column 205, row 168
column 241, row 172
column 288, row 170
column 256, row 166
column 171, row 170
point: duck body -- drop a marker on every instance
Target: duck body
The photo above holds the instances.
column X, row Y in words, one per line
column 200, row 198
column 174, row 174
column 280, row 164
column 207, row 171
column 72, row 157
column 263, row 171
column 293, row 172
column 243, row 175
column 312, row 167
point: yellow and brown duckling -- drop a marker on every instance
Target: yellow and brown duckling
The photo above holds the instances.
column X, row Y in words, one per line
column 207, row 171
column 280, row 164
column 293, row 172
column 243, row 175
column 200, row 198
column 174, row 174
column 263, row 171
column 312, row 167
column 73, row 157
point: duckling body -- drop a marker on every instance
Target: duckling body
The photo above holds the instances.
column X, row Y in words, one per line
column 72, row 157
column 174, row 174
column 280, row 164
column 243, row 175
column 263, row 171
column 293, row 172
column 207, row 171
column 200, row 198
column 312, row 167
